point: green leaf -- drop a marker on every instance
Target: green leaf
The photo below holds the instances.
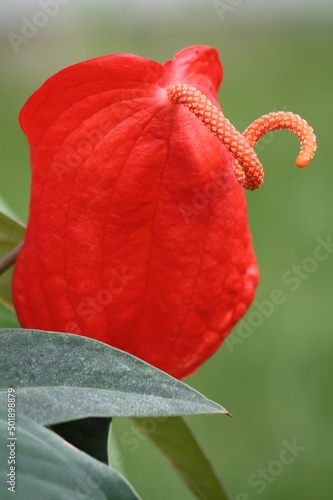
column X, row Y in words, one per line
column 88, row 434
column 178, row 444
column 46, row 467
column 11, row 234
column 7, row 210
column 61, row 377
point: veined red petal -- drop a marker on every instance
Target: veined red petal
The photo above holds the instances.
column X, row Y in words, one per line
column 199, row 66
column 137, row 234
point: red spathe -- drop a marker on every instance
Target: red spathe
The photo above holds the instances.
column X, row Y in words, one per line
column 137, row 234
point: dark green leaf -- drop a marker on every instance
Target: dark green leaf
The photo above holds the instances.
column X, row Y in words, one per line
column 89, row 435
column 177, row 442
column 47, row 468
column 61, row 377
column 11, row 234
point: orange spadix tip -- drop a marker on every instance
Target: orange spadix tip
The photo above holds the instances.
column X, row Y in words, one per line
column 248, row 169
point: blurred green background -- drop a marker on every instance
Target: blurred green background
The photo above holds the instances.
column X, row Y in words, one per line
column 277, row 381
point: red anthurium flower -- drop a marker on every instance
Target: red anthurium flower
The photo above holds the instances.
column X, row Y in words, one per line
column 138, row 234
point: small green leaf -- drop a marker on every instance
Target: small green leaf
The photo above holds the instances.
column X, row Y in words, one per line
column 178, row 444
column 46, row 467
column 11, row 234
column 61, row 377
column 88, row 434
column 7, row 210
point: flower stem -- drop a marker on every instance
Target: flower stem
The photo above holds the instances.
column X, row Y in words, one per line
column 10, row 259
